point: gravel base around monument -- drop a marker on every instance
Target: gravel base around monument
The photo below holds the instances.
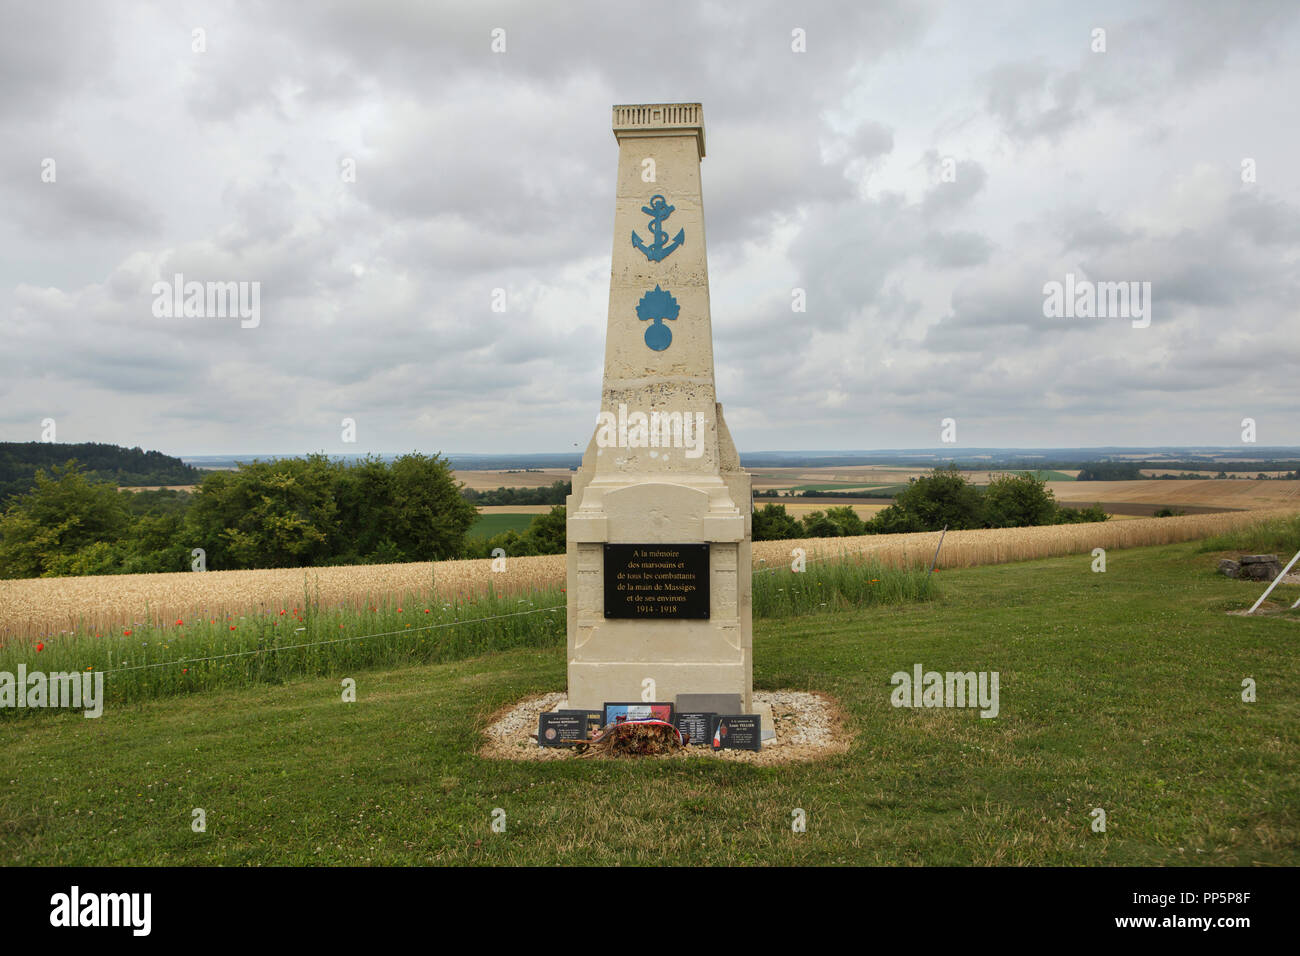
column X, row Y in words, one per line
column 808, row 726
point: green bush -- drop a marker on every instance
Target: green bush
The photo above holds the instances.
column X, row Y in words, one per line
column 943, row 498
column 43, row 530
column 847, row 520
column 1018, row 501
column 1079, row 515
column 773, row 523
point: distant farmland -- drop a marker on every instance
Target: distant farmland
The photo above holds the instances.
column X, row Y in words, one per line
column 1220, row 494
column 531, row 478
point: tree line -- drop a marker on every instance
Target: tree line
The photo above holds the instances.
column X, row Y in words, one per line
column 944, row 498
column 292, row 512
column 1131, row 470
column 19, row 462
column 552, row 494
column 311, row 511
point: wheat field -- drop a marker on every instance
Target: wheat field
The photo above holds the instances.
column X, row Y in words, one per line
column 964, row 549
column 1244, row 493
column 40, row 607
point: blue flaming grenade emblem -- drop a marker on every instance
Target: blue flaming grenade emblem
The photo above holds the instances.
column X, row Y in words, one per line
column 658, row 305
column 658, row 211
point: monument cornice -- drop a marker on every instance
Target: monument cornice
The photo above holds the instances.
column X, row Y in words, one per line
column 634, row 120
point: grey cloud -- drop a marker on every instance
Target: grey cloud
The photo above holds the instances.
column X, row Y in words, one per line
column 956, row 250
column 1091, row 229
column 1031, row 102
column 50, row 50
column 477, row 171
column 83, row 199
column 944, row 198
column 1267, row 220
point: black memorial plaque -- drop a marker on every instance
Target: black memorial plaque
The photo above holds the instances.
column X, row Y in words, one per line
column 561, row 729
column 696, row 727
column 738, row 732
column 595, row 719
column 657, row 581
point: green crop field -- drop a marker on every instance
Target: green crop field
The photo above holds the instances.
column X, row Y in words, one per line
column 490, row 525
column 1053, row 476
column 884, row 491
column 1119, row 690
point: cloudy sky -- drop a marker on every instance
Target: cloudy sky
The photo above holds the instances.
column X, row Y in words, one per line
column 922, row 171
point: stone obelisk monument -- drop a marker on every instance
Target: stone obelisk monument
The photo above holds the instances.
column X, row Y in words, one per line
column 659, row 519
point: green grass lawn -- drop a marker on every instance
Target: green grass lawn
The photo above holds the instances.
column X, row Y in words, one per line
column 490, row 525
column 1119, row 690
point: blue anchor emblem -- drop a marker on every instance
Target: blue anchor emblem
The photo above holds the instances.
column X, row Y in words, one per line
column 657, row 251
column 658, row 305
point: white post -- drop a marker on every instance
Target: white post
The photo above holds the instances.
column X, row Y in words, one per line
column 1274, row 584
column 936, row 550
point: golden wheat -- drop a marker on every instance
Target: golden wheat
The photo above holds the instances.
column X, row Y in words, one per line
column 964, row 549
column 31, row 607
column 35, row 607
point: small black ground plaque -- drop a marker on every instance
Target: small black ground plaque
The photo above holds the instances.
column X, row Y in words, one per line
column 561, row 730
column 738, row 732
column 696, row 727
column 595, row 719
column 657, row 581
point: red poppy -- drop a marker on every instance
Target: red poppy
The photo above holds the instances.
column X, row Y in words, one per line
column 40, row 647
column 179, row 622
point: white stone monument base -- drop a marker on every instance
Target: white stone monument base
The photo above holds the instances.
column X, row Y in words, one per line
column 592, row 683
